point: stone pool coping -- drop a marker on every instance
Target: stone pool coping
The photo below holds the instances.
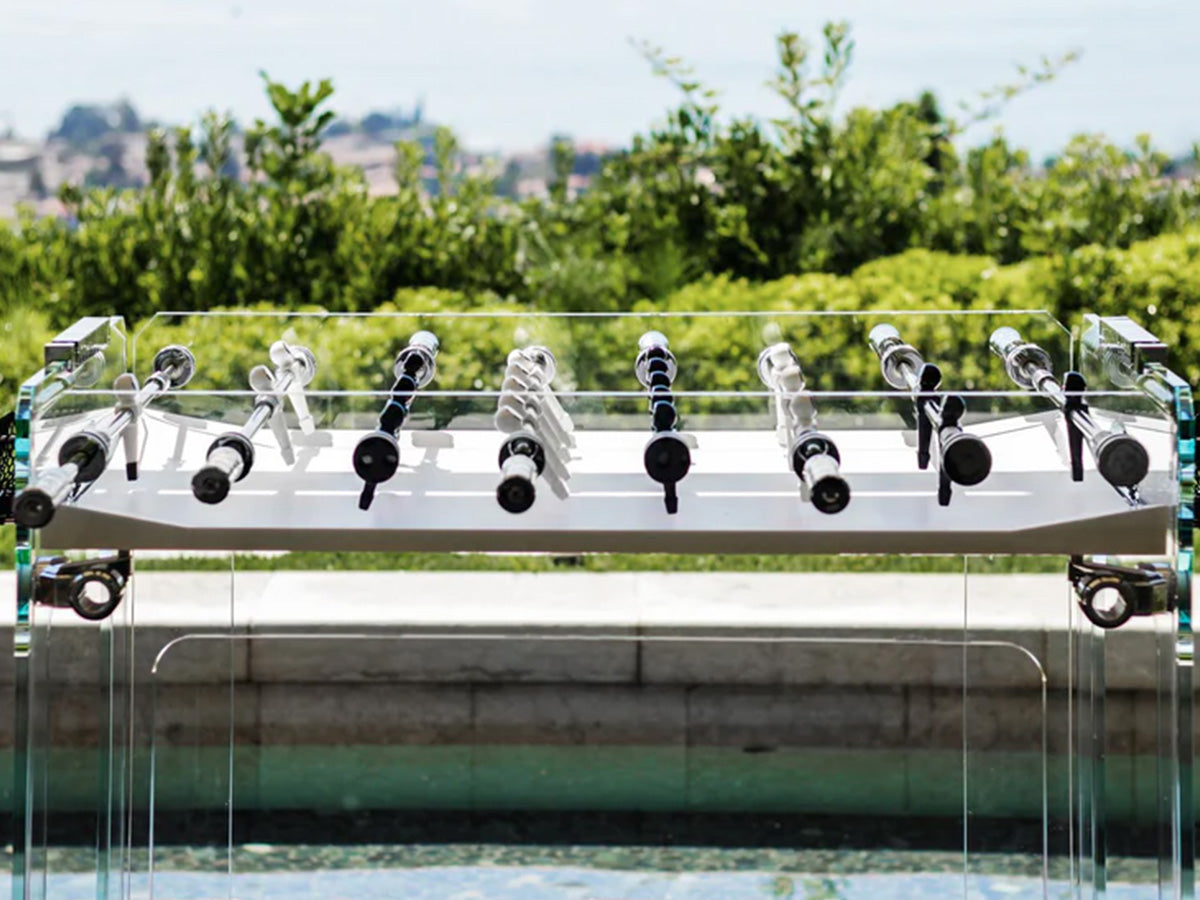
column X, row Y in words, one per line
column 747, row 628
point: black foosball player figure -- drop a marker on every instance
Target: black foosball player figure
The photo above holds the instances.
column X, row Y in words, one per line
column 377, row 455
column 666, row 458
column 963, row 458
column 1120, row 457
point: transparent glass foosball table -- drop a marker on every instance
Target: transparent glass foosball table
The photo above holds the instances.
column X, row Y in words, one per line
column 938, row 694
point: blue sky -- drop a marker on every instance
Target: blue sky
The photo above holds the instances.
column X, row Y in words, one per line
column 507, row 74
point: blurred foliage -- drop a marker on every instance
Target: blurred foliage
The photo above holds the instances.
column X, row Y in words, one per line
column 940, row 295
column 816, row 189
column 1156, row 281
column 22, row 334
column 608, row 562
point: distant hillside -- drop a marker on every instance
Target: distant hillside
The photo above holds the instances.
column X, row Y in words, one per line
column 103, row 145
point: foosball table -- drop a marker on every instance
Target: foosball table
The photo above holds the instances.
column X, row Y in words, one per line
column 951, row 434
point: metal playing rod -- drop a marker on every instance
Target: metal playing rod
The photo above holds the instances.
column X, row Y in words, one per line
column 83, row 457
column 538, row 428
column 963, row 458
column 814, row 456
column 1120, row 457
column 377, row 455
column 667, row 458
column 231, row 456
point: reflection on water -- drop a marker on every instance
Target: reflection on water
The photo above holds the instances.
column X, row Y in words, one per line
column 527, row 883
column 502, row 872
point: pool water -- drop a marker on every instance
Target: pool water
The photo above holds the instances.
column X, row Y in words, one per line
column 503, row 872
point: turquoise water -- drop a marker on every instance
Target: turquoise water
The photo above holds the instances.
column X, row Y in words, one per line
column 631, row 777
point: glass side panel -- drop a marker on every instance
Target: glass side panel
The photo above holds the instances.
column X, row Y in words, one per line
column 1118, row 351
column 714, row 352
column 81, row 357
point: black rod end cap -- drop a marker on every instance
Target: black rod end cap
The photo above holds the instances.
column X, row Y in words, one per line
column 210, row 485
column 516, row 495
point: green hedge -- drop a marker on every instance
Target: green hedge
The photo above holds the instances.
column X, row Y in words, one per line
column 822, row 188
column 1157, row 282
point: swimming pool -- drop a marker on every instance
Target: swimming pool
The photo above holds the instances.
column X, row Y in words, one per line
column 508, row 872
